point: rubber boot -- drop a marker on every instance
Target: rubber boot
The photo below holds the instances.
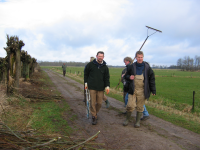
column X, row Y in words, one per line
column 145, row 118
column 107, row 104
column 128, row 116
column 139, row 115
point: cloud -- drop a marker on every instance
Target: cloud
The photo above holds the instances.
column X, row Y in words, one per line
column 76, row 30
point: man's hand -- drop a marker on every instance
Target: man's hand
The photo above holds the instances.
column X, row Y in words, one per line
column 153, row 94
column 123, row 75
column 107, row 89
column 132, row 77
column 86, row 86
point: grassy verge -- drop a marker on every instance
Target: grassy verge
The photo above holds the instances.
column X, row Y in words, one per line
column 43, row 116
column 178, row 120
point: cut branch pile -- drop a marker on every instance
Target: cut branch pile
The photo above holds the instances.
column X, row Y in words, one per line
column 16, row 140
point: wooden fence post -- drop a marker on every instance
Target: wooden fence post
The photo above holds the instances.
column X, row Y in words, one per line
column 193, row 100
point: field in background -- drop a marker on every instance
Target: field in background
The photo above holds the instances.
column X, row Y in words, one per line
column 174, row 97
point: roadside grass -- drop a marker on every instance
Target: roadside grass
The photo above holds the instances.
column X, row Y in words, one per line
column 47, row 118
column 178, row 120
column 44, row 118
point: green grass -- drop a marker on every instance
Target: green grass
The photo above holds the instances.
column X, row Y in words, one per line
column 47, row 117
column 174, row 72
column 177, row 120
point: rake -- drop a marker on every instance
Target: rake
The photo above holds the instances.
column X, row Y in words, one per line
column 156, row 30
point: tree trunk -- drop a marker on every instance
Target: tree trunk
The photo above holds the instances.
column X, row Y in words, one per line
column 17, row 68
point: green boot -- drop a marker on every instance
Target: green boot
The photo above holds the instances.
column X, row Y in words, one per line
column 107, row 104
column 128, row 116
column 139, row 115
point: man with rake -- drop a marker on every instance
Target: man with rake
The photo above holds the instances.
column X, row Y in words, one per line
column 142, row 83
column 96, row 78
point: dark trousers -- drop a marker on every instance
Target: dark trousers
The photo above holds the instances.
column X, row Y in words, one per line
column 64, row 72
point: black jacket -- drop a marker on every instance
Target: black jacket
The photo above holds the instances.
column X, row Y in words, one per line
column 97, row 75
column 124, row 81
column 149, row 79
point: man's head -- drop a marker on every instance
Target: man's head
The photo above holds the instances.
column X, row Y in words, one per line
column 128, row 60
column 139, row 56
column 100, row 56
column 91, row 59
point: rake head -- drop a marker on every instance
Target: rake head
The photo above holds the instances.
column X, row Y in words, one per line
column 153, row 29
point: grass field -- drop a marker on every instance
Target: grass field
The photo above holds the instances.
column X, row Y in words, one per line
column 174, row 95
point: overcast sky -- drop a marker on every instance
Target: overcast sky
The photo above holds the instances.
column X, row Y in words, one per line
column 74, row 30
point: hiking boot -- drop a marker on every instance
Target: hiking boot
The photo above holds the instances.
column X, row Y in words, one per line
column 94, row 120
column 137, row 124
column 107, row 104
column 145, row 118
column 124, row 113
column 128, row 116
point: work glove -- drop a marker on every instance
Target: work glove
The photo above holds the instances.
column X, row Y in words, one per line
column 107, row 89
column 86, row 86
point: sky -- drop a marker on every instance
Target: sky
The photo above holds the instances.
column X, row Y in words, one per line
column 66, row 30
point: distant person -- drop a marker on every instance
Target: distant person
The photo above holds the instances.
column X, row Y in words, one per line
column 97, row 79
column 127, row 61
column 64, row 69
column 142, row 83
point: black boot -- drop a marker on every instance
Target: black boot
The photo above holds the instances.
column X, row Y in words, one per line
column 107, row 104
column 94, row 120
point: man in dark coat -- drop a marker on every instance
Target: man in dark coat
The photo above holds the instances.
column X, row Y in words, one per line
column 142, row 83
column 97, row 78
column 64, row 69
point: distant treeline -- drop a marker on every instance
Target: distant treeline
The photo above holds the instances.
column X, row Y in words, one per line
column 189, row 64
column 81, row 64
column 59, row 63
column 71, row 63
column 185, row 64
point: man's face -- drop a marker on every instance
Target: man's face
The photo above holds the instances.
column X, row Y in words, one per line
column 139, row 58
column 126, row 62
column 100, row 57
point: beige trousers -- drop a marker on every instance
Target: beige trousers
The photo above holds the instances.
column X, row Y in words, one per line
column 96, row 101
column 137, row 100
column 104, row 97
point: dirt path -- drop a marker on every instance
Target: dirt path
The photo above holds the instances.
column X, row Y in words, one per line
column 154, row 134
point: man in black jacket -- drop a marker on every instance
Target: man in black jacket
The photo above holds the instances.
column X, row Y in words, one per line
column 96, row 78
column 142, row 83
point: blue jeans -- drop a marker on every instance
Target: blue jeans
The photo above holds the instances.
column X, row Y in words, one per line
column 126, row 99
column 145, row 112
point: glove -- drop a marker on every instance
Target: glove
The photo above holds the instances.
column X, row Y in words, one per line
column 86, row 86
column 107, row 89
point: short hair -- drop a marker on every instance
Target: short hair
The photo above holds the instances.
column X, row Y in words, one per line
column 128, row 59
column 101, row 52
column 139, row 53
column 91, row 59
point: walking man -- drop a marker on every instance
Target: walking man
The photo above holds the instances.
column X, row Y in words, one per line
column 96, row 78
column 64, row 69
column 142, row 84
